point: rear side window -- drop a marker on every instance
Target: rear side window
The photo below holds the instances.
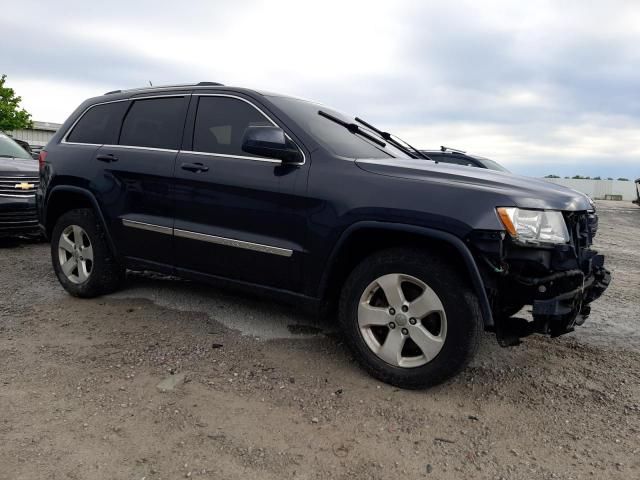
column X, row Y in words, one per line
column 221, row 123
column 155, row 123
column 99, row 125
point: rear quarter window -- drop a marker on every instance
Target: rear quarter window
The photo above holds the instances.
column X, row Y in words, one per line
column 99, row 125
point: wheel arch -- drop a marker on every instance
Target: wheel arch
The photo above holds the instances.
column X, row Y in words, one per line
column 64, row 198
column 364, row 238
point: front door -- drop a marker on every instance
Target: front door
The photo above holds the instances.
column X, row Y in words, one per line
column 234, row 210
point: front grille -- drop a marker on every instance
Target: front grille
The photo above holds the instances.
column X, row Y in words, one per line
column 18, row 187
column 25, row 218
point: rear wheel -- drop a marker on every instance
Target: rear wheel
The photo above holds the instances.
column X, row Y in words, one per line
column 410, row 318
column 82, row 259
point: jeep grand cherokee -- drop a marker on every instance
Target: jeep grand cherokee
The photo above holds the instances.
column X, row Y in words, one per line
column 292, row 198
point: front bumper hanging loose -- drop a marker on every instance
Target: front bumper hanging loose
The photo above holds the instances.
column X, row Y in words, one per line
column 561, row 300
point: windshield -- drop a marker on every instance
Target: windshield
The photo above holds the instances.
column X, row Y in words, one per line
column 331, row 135
column 9, row 148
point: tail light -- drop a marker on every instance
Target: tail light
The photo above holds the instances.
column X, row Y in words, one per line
column 42, row 157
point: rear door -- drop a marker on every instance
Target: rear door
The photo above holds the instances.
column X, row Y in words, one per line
column 235, row 211
column 138, row 173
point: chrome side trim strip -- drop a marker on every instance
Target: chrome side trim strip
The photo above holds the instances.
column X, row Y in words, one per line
column 147, row 226
column 229, row 242
column 203, row 237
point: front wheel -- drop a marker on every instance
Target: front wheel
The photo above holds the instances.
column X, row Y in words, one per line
column 411, row 318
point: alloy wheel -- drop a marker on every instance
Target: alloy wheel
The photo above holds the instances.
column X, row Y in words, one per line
column 75, row 254
column 402, row 320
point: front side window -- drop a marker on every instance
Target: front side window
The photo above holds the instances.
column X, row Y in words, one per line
column 221, row 123
column 99, row 125
column 155, row 123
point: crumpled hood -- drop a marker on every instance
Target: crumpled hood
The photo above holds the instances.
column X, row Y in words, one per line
column 509, row 189
column 22, row 166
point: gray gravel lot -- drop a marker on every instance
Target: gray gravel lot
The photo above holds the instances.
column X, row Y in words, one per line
column 173, row 379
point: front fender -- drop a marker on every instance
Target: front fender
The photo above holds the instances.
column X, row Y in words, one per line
column 448, row 238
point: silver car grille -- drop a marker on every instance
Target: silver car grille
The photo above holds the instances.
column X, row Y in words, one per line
column 18, row 187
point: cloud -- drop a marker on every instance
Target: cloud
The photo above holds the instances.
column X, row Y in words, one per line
column 535, row 85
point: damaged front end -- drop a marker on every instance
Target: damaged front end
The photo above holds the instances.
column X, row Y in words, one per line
column 559, row 280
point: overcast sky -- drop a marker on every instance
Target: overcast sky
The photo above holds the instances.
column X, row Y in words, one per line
column 542, row 87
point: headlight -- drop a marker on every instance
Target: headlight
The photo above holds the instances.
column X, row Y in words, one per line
column 534, row 227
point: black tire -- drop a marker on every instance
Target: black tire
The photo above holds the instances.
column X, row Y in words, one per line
column 106, row 273
column 463, row 318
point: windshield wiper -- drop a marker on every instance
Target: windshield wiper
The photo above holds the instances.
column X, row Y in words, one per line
column 5, row 156
column 352, row 127
column 407, row 148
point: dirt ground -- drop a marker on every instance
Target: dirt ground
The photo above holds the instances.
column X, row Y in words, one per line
column 255, row 390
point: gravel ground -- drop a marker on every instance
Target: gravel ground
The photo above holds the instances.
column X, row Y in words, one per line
column 172, row 379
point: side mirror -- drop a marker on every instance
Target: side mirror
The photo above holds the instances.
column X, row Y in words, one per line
column 270, row 142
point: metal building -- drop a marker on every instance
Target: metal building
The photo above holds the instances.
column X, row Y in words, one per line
column 38, row 136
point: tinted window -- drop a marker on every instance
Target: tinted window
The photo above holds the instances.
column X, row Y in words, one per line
column 154, row 123
column 221, row 123
column 333, row 136
column 100, row 124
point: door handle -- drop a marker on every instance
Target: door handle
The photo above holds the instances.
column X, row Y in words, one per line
column 194, row 167
column 107, row 158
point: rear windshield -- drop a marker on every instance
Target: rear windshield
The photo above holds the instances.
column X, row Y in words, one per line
column 10, row 149
column 329, row 134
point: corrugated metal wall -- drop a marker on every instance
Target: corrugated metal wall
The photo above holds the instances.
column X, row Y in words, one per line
column 33, row 137
column 597, row 189
column 39, row 135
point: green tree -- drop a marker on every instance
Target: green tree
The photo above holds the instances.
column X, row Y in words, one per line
column 622, row 179
column 552, row 176
column 12, row 116
column 597, row 178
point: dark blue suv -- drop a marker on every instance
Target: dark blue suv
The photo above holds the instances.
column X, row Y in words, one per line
column 291, row 198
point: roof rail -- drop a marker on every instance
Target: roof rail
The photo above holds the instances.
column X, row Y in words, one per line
column 199, row 84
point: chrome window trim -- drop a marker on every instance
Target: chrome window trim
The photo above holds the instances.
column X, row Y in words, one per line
column 147, row 226
column 273, row 122
column 226, row 155
column 230, row 242
column 70, row 129
column 135, row 147
column 64, row 140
